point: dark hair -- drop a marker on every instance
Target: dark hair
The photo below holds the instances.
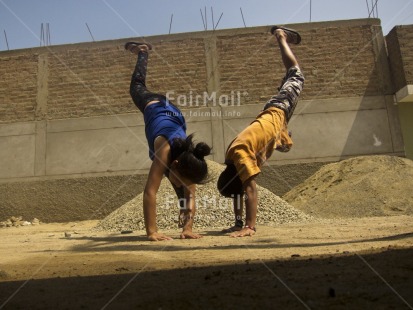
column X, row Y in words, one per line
column 190, row 157
column 229, row 183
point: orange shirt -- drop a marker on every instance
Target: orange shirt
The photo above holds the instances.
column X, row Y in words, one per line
column 256, row 143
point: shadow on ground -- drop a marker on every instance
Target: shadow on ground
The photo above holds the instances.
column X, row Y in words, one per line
column 126, row 243
column 380, row 281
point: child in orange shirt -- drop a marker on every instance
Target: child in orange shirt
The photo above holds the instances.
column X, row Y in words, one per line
column 256, row 143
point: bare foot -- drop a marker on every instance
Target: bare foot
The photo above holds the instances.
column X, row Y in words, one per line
column 280, row 34
column 135, row 48
column 143, row 48
column 290, row 35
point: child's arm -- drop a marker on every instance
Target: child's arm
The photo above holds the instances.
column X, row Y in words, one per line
column 251, row 201
column 189, row 213
column 156, row 172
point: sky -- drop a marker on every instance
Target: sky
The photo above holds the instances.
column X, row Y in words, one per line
column 68, row 20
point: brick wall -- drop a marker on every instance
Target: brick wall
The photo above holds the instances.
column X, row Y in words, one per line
column 92, row 79
column 87, row 81
column 337, row 62
column 18, row 86
column 400, row 45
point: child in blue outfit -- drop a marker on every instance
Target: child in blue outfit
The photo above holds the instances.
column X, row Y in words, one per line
column 172, row 152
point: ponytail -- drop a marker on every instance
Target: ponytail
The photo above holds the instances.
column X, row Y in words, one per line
column 191, row 162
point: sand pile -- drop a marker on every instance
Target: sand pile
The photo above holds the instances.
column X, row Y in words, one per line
column 358, row 187
column 213, row 210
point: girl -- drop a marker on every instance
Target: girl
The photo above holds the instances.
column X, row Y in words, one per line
column 172, row 152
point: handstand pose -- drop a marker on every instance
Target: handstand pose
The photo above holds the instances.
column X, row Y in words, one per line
column 255, row 144
column 172, row 152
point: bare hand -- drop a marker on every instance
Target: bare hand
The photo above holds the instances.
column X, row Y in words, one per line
column 243, row 233
column 158, row 237
column 188, row 234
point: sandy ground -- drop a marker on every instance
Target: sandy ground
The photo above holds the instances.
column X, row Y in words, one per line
column 335, row 264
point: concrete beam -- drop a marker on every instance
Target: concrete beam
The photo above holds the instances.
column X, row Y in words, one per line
column 42, row 87
column 405, row 94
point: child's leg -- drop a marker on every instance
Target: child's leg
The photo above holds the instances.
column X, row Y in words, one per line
column 238, row 212
column 141, row 96
column 292, row 83
column 287, row 55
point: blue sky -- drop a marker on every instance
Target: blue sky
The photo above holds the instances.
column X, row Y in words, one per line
column 21, row 20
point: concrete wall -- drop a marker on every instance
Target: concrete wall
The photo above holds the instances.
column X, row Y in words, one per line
column 66, row 113
column 406, row 121
column 400, row 46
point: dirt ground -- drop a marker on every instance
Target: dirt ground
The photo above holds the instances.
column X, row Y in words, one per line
column 334, row 264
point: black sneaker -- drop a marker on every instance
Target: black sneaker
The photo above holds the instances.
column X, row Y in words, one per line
column 293, row 36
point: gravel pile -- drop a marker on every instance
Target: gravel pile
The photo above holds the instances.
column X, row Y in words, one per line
column 358, row 187
column 213, row 210
column 16, row 221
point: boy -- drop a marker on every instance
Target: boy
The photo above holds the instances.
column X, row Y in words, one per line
column 255, row 144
